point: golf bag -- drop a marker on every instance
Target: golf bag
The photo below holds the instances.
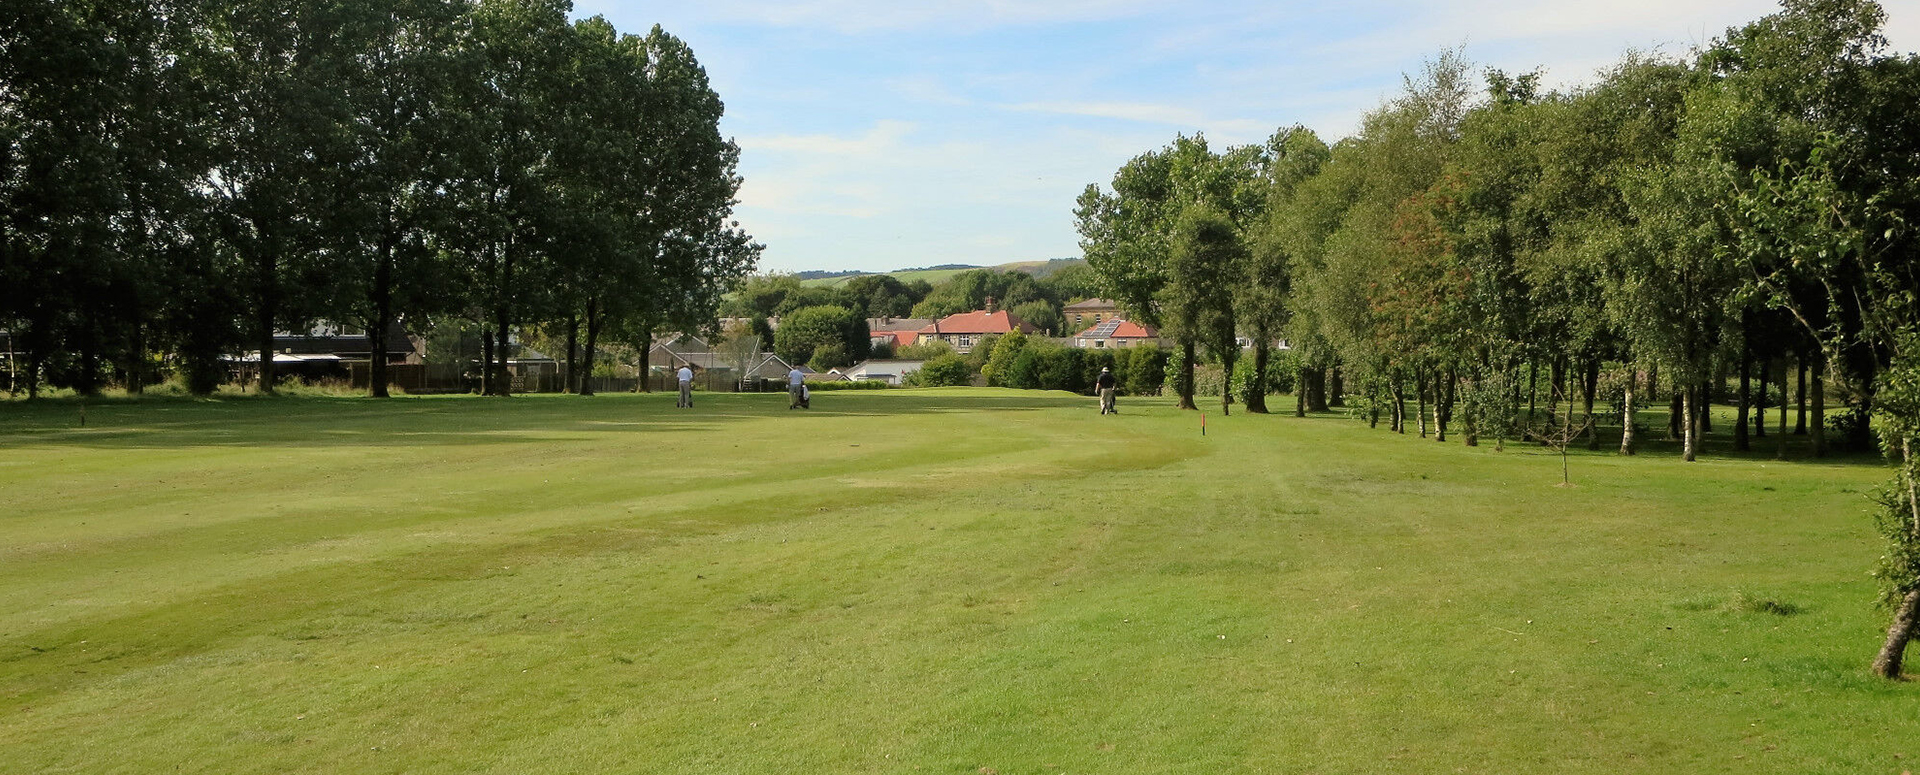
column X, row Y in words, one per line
column 806, row 397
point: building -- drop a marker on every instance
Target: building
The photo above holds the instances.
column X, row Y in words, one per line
column 663, row 360
column 892, row 372
column 1116, row 333
column 1091, row 312
column 896, row 332
column 966, row 329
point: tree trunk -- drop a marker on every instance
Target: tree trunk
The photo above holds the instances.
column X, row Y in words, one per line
column 1889, row 663
column 1443, row 393
column 1557, row 379
column 1704, row 406
column 1782, row 431
column 377, row 359
column 1336, row 388
column 264, row 266
column 1399, row 406
column 1533, row 388
column 1185, row 377
column 1800, row 396
column 1906, row 620
column 1690, row 429
column 1760, row 400
column 486, row 361
column 1317, row 397
column 136, row 367
column 502, row 317
column 1626, row 416
column 1674, row 413
column 382, row 315
column 570, row 384
column 646, row 361
column 1420, row 399
column 503, row 373
column 593, row 338
column 1472, row 436
column 1740, row 443
column 1819, row 424
column 1300, row 391
column 1226, row 385
column 86, row 382
column 1257, row 397
column 1592, row 385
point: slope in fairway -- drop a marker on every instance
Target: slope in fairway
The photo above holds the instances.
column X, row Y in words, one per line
column 948, row 581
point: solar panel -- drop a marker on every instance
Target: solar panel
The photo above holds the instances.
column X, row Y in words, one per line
column 1106, row 328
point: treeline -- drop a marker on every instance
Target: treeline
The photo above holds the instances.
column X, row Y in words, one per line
column 1738, row 214
column 832, row 328
column 180, row 178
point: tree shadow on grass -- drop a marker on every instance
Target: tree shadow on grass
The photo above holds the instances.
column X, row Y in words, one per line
column 310, row 421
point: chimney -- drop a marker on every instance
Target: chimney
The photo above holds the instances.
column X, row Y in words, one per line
column 989, row 305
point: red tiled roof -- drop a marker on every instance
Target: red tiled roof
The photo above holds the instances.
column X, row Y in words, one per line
column 978, row 322
column 1118, row 329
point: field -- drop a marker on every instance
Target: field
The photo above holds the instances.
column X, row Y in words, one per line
column 942, row 581
column 932, row 276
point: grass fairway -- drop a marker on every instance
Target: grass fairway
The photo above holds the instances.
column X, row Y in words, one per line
column 945, row 581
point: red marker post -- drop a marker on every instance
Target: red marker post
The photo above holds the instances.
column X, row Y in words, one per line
column 1203, row 423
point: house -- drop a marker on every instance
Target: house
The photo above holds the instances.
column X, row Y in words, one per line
column 892, row 372
column 964, row 330
column 1115, row 333
column 896, row 332
column 758, row 365
column 347, row 343
column 1091, row 312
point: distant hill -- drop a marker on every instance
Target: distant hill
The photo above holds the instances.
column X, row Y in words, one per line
column 937, row 274
column 821, row 274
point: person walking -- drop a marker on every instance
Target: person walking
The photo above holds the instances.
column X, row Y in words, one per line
column 1105, row 385
column 796, row 387
column 686, row 387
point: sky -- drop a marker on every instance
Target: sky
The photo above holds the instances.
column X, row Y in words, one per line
column 890, row 134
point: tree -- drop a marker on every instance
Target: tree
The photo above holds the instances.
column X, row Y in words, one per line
column 839, row 330
column 386, row 209
column 1261, row 292
column 946, row 369
column 1042, row 315
column 1197, row 302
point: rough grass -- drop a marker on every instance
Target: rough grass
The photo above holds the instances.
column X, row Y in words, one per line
column 941, row 581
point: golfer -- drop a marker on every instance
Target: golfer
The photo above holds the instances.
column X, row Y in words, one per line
column 686, row 387
column 796, row 386
column 1105, row 384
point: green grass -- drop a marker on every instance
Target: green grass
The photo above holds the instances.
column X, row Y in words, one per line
column 943, row 581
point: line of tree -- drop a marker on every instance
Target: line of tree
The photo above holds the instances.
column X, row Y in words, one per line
column 181, row 178
column 1741, row 210
column 823, row 345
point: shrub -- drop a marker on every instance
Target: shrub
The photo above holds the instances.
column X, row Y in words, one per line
column 858, row 384
column 945, row 370
column 1142, row 370
column 1006, row 351
column 925, row 350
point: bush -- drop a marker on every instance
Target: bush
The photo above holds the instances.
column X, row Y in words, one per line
column 831, row 355
column 925, row 350
column 1006, row 351
column 1279, row 376
column 1142, row 370
column 945, row 370
column 858, row 384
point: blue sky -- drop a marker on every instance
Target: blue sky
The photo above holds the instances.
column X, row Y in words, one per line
column 883, row 135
